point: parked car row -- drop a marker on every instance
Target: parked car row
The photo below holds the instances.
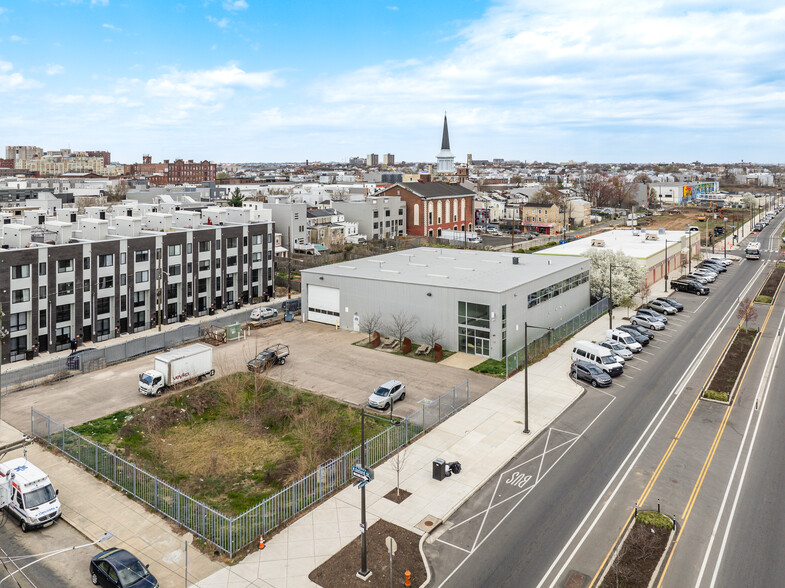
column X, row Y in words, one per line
column 705, row 272
column 598, row 362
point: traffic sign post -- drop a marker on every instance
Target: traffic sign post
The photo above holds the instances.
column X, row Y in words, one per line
column 392, row 547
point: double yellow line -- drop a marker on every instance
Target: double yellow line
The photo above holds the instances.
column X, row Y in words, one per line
column 672, row 446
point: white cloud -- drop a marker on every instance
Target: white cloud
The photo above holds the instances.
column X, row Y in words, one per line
column 111, row 27
column 11, row 80
column 220, row 23
column 99, row 2
column 54, row 69
column 235, row 4
column 392, row 8
column 18, row 39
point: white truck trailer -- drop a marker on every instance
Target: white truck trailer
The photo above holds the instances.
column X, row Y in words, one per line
column 460, row 236
column 176, row 367
column 33, row 500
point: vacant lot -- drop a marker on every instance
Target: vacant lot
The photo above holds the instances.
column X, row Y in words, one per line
column 233, row 441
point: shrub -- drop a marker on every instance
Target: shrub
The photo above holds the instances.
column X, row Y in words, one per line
column 654, row 519
column 492, row 367
column 712, row 395
column 763, row 299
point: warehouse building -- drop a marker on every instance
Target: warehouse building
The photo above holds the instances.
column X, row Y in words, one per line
column 478, row 300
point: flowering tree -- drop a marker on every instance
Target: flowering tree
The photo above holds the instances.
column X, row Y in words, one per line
column 627, row 275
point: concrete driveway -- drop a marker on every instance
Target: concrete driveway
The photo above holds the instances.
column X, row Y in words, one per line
column 321, row 359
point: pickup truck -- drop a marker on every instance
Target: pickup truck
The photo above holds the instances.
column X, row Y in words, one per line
column 691, row 286
column 269, row 357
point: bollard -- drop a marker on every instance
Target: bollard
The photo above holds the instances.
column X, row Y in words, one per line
column 408, row 576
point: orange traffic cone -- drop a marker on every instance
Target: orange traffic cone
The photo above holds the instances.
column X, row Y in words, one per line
column 261, row 541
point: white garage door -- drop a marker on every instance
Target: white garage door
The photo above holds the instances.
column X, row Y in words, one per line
column 324, row 304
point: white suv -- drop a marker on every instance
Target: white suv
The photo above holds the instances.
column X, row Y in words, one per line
column 392, row 391
column 263, row 312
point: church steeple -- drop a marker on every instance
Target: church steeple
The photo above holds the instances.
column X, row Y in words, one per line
column 445, row 135
column 445, row 161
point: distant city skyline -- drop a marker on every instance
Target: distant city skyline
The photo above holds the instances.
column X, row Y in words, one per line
column 243, row 81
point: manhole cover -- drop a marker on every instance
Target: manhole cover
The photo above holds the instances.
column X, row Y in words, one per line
column 575, row 580
column 428, row 523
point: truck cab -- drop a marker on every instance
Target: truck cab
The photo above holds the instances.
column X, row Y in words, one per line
column 33, row 499
column 151, row 383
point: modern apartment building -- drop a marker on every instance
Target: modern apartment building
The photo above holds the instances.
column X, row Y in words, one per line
column 372, row 159
column 95, row 276
column 388, row 159
column 378, row 217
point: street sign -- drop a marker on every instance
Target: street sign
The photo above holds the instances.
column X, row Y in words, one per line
column 364, row 474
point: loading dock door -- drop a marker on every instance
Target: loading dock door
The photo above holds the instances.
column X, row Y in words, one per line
column 324, row 304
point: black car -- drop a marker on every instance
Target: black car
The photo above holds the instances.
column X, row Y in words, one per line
column 686, row 285
column 118, row 568
column 677, row 305
column 590, row 373
column 635, row 334
column 642, row 330
column 719, row 231
column 74, row 361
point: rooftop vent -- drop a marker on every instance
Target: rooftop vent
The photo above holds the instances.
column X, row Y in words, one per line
column 515, row 261
column 598, row 243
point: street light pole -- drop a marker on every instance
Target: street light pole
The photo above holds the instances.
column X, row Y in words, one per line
column 526, row 372
column 610, row 296
column 364, row 572
column 725, row 235
column 666, row 265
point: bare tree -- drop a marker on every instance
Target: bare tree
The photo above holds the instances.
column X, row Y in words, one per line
column 116, row 193
column 370, row 323
column 432, row 335
column 401, row 325
column 746, row 311
column 645, row 291
column 397, row 462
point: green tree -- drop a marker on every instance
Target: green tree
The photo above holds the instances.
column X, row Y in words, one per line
column 236, row 198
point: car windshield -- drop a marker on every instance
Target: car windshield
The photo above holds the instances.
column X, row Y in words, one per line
column 134, row 572
column 629, row 340
column 145, row 379
column 595, row 371
column 382, row 391
column 39, row 497
column 608, row 359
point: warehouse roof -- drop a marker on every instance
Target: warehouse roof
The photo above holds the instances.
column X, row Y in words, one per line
column 640, row 244
column 489, row 271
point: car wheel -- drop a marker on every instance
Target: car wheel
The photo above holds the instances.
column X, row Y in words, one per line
column 94, row 578
column 634, row 322
column 282, row 361
column 24, row 527
column 594, row 383
column 386, row 406
column 402, row 397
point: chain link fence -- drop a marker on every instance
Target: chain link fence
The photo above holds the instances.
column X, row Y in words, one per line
column 538, row 346
column 231, row 534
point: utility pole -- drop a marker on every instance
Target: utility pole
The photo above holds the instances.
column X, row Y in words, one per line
column 289, row 270
column 160, row 276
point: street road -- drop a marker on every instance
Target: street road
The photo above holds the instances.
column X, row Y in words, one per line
column 559, row 506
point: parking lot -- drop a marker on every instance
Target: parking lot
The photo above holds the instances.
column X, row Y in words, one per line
column 321, row 360
column 661, row 338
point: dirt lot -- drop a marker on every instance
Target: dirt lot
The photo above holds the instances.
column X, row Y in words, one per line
column 322, row 360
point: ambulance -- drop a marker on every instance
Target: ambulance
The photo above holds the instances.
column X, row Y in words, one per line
column 33, row 499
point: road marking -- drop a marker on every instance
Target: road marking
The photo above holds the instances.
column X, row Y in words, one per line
column 768, row 379
column 643, row 360
column 621, row 385
column 455, row 546
column 710, row 457
column 573, row 441
column 661, row 334
column 648, row 434
column 647, row 353
column 632, row 366
column 699, row 306
column 655, row 346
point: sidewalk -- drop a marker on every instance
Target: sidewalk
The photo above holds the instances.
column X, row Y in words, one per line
column 242, row 315
column 93, row 507
column 484, row 436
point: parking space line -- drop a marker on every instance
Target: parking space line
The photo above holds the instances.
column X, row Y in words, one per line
column 622, row 385
column 643, row 360
column 647, row 352
column 664, row 335
column 632, row 366
column 653, row 345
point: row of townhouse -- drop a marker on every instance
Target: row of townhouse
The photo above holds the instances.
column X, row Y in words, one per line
column 96, row 276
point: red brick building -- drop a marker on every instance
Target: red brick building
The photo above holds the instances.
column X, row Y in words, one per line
column 7, row 163
column 434, row 206
column 105, row 154
column 177, row 172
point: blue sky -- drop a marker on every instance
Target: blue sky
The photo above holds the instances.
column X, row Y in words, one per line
column 245, row 80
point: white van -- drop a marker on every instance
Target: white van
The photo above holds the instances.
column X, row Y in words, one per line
column 33, row 499
column 623, row 338
column 600, row 356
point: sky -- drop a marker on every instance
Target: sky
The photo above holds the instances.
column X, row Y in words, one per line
column 251, row 80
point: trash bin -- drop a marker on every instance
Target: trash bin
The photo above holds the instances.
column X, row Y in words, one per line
column 288, row 316
column 438, row 469
column 29, row 354
column 211, row 311
column 182, row 317
column 238, row 304
column 455, row 467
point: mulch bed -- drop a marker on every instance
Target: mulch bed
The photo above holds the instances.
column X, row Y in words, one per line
column 397, row 496
column 341, row 569
column 637, row 558
column 728, row 371
column 773, row 281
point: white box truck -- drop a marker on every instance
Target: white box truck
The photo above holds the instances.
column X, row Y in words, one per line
column 176, row 367
column 33, row 499
column 460, row 236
